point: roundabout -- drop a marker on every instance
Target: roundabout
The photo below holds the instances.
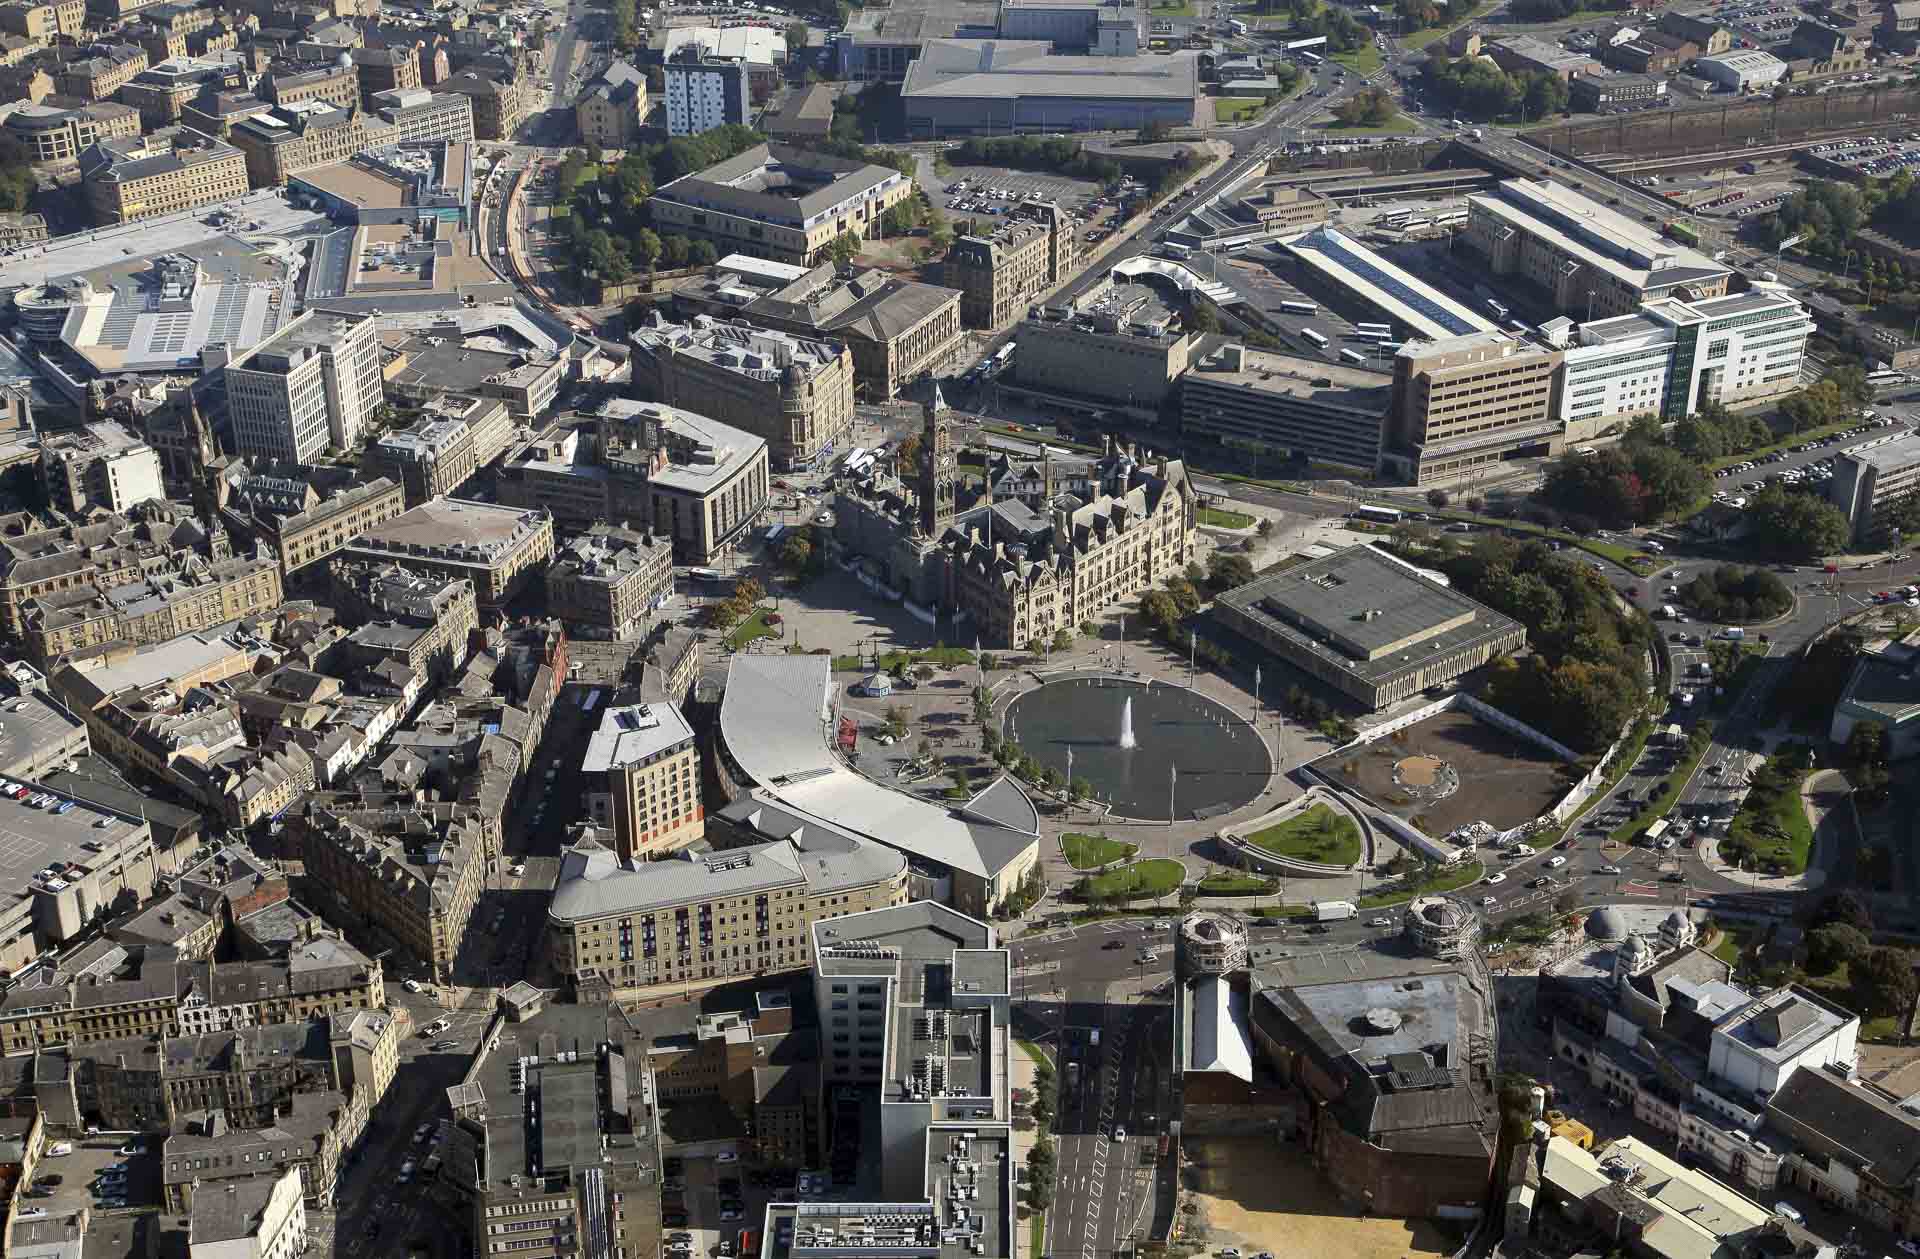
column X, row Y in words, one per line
column 1135, row 743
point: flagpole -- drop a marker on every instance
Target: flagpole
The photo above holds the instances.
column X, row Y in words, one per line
column 1173, row 778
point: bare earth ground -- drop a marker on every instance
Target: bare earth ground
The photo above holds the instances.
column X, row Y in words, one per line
column 1504, row 780
column 1895, row 1068
column 1257, row 1195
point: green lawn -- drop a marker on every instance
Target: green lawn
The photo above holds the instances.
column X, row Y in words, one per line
column 948, row 656
column 1036, row 1232
column 1447, row 881
column 1420, row 39
column 1237, row 108
column 753, row 627
column 1158, row 877
column 1363, row 60
column 1772, row 826
column 1090, row 852
column 1398, row 125
column 1318, row 834
column 1182, row 9
column 1236, row 885
column 1732, row 940
column 1225, row 519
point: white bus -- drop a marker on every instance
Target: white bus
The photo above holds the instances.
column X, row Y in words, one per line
column 1398, row 219
column 1300, row 308
column 1314, row 337
column 1416, row 225
column 1378, row 515
column 593, row 698
column 1176, row 252
column 1307, row 58
column 713, row 575
column 1378, row 330
column 1353, row 356
column 774, row 533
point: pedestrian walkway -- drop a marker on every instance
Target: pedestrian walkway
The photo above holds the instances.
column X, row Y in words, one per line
column 1023, row 1075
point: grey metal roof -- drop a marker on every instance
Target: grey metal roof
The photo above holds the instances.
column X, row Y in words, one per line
column 1011, row 68
column 1218, row 1038
column 593, row 883
column 774, row 722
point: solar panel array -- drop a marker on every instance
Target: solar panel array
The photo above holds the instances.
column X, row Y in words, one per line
column 1363, row 265
column 169, row 333
column 116, row 330
column 229, row 313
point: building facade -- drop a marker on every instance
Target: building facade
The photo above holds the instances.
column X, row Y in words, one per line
column 1673, row 357
column 139, row 178
column 703, row 94
column 1000, row 275
column 818, row 200
column 310, row 387
column 1464, row 404
column 607, row 582
column 1278, row 408
column 1874, row 484
column 793, row 393
column 498, row 548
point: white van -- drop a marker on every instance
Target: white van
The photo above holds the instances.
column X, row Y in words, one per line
column 1733, row 632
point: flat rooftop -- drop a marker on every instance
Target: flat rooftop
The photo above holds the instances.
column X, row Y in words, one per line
column 544, row 1113
column 1886, row 456
column 444, row 523
column 35, row 841
column 756, row 353
column 451, row 365
column 1365, row 607
column 633, row 733
column 917, row 21
column 32, row 722
column 1884, row 689
column 1350, row 266
column 1595, row 235
column 1783, row 1023
column 1264, row 371
column 977, row 69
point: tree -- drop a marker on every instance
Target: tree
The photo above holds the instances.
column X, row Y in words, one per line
column 1224, row 572
column 702, row 254
column 1867, row 745
column 1438, row 498
column 1795, row 525
column 795, row 553
column 1835, row 945
column 845, row 246
column 747, row 590
column 1265, row 527
column 1883, row 982
column 1062, row 638
column 1476, row 503
column 1543, row 94
column 1200, row 318
column 674, row 250
column 1846, row 907
column 646, row 247
column 796, row 35
column 896, row 721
